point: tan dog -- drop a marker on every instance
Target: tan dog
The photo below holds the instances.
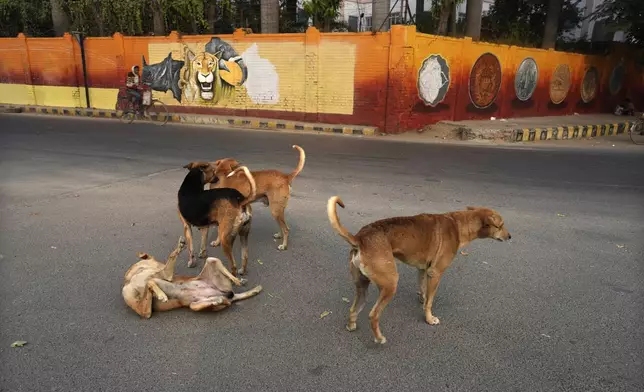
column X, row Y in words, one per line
column 210, row 290
column 428, row 242
column 273, row 189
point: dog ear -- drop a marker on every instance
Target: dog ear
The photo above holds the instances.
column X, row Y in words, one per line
column 470, row 208
column 142, row 256
column 493, row 220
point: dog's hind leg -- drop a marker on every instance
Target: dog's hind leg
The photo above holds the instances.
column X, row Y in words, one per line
column 214, row 304
column 227, row 236
column 187, row 233
column 385, row 276
column 362, row 284
column 278, row 208
column 244, row 231
column 204, row 241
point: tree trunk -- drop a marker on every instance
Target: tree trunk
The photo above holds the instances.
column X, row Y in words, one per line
column 473, row 15
column 98, row 18
column 212, row 15
column 59, row 17
column 552, row 24
column 443, row 21
column 158, row 19
column 270, row 14
column 452, row 21
column 420, row 8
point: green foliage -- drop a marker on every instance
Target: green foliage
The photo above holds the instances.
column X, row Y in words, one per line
column 32, row 18
column 522, row 22
column 625, row 15
column 323, row 12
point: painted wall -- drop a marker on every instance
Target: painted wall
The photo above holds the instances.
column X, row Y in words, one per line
column 396, row 80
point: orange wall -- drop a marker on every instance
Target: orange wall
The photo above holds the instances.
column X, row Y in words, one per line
column 351, row 78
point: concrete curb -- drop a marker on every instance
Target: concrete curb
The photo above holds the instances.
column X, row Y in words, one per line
column 569, row 132
column 240, row 122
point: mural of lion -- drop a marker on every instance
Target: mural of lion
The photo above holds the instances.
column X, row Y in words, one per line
column 208, row 77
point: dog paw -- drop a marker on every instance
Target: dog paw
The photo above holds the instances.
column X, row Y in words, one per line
column 277, row 236
column 242, row 282
column 191, row 263
column 380, row 340
column 203, row 254
column 281, row 247
column 351, row 327
column 215, row 243
column 242, row 271
column 432, row 320
column 162, row 297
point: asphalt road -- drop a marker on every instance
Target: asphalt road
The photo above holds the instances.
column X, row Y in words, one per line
column 559, row 307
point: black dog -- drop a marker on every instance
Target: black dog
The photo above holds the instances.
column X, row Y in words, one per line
column 224, row 207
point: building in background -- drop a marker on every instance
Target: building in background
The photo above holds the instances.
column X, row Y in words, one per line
column 357, row 14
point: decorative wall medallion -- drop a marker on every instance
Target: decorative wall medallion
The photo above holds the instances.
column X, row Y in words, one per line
column 433, row 80
column 560, row 84
column 589, row 85
column 617, row 78
column 485, row 80
column 525, row 81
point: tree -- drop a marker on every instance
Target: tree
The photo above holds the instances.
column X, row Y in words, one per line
column 59, row 18
column 552, row 24
column 158, row 18
column 270, row 12
column 522, row 22
column 32, row 18
column 473, row 16
column 323, row 12
column 625, row 15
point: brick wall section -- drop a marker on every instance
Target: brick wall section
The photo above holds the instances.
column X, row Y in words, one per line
column 382, row 69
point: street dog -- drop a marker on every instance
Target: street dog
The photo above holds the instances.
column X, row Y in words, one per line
column 223, row 207
column 273, row 189
column 428, row 242
column 150, row 284
column 138, row 287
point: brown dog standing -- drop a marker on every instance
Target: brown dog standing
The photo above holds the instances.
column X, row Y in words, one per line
column 273, row 188
column 428, row 242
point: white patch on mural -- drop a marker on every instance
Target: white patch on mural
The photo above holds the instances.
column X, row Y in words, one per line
column 262, row 84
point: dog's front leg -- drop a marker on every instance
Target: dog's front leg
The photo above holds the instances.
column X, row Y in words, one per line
column 161, row 296
column 204, row 240
column 422, row 285
column 433, row 278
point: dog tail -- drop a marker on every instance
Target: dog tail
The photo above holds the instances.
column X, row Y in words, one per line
column 335, row 222
column 251, row 181
column 300, row 164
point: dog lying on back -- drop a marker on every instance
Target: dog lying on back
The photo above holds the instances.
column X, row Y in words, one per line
column 150, row 284
column 428, row 242
column 273, row 188
column 223, row 207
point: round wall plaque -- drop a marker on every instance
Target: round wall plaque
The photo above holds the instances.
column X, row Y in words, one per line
column 485, row 80
column 525, row 81
column 560, row 84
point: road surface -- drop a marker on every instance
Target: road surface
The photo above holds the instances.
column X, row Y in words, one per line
column 559, row 307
